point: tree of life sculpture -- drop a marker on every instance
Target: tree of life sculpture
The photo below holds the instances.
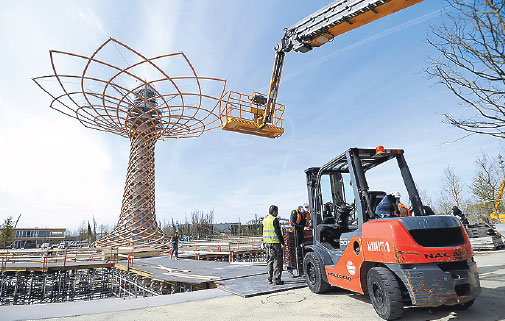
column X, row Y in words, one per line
column 142, row 101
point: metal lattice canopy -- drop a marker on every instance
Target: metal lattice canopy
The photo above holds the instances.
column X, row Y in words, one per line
column 106, row 95
column 143, row 101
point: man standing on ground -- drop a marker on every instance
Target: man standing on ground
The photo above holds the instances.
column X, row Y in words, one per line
column 175, row 245
column 274, row 242
column 299, row 219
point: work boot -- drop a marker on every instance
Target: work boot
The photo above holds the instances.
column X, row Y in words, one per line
column 294, row 273
column 270, row 281
column 279, row 282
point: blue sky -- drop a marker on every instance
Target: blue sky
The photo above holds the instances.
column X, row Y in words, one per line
column 366, row 88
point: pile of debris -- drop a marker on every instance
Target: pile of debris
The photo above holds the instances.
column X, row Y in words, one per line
column 484, row 237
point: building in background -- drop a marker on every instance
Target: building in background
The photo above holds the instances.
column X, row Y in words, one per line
column 35, row 237
column 227, row 228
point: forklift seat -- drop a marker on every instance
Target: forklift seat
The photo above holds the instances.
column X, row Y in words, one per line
column 329, row 220
column 375, row 197
column 329, row 233
column 328, row 214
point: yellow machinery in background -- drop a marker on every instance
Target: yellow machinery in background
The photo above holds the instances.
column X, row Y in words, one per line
column 260, row 115
column 496, row 215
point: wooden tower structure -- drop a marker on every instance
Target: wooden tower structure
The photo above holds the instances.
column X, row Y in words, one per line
column 143, row 101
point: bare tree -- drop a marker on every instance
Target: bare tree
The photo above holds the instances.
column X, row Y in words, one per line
column 90, row 235
column 104, row 229
column 471, row 43
column 174, row 226
column 486, row 182
column 425, row 198
column 202, row 224
column 444, row 204
column 452, row 190
column 166, row 227
column 94, row 227
column 82, row 231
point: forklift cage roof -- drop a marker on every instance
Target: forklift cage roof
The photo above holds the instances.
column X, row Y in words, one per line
column 369, row 159
column 357, row 161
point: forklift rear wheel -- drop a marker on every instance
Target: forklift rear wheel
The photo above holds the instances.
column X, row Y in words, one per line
column 314, row 273
column 385, row 293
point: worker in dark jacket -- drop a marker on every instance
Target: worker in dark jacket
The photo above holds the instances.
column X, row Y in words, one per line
column 457, row 212
column 387, row 206
column 391, row 206
column 274, row 243
column 175, row 245
column 300, row 218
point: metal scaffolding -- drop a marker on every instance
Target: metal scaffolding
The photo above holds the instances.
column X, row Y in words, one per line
column 32, row 287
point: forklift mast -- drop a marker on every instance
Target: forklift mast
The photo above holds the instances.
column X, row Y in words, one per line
column 356, row 162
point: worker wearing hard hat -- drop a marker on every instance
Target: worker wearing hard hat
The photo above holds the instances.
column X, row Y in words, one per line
column 300, row 218
column 391, row 206
column 401, row 209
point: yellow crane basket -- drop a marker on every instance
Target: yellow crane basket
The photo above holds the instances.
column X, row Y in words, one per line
column 244, row 114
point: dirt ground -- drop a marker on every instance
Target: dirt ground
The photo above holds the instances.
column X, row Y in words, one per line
column 301, row 304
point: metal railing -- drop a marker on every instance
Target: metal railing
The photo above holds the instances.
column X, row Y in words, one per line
column 235, row 105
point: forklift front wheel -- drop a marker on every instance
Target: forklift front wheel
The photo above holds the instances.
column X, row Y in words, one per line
column 313, row 273
column 385, row 293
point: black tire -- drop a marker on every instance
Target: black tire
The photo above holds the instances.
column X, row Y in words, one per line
column 465, row 305
column 385, row 293
column 313, row 270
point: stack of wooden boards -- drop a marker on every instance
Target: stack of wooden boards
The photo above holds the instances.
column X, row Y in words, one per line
column 484, row 237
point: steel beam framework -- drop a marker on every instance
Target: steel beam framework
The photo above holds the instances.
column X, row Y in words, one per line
column 20, row 288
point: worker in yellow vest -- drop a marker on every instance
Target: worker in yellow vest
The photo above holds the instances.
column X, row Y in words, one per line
column 274, row 243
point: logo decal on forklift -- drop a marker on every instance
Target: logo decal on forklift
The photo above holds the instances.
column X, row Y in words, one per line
column 340, row 276
column 456, row 254
column 378, row 246
column 351, row 268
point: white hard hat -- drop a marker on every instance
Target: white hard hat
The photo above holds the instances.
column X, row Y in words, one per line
column 396, row 194
column 305, row 205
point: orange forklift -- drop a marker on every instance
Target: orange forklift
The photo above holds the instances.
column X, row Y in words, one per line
column 420, row 260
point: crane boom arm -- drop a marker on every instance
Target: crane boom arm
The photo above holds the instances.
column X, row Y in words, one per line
column 335, row 19
column 321, row 27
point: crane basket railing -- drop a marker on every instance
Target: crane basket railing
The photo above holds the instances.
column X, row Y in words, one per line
column 239, row 113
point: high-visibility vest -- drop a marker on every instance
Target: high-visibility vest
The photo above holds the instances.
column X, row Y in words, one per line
column 269, row 235
column 400, row 206
column 299, row 217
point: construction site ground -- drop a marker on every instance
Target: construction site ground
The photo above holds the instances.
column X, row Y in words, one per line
column 296, row 304
column 244, row 279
